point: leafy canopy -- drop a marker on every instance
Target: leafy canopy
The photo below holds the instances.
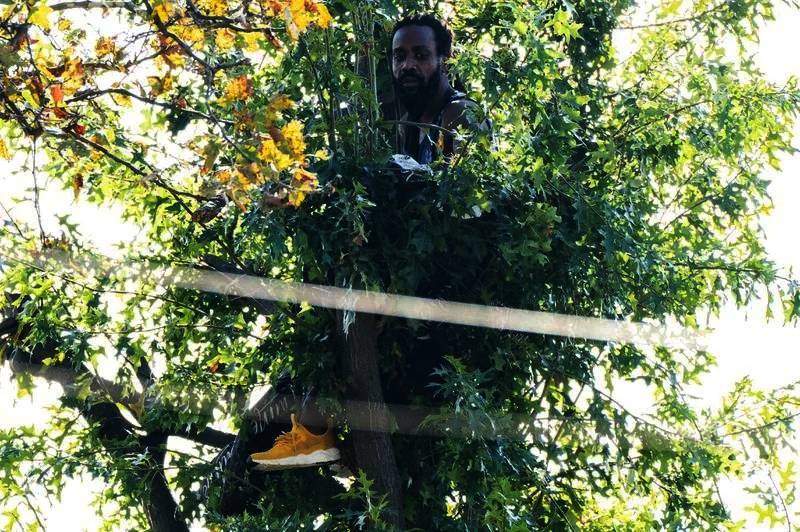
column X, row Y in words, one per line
column 252, row 137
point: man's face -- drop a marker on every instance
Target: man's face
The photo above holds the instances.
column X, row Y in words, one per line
column 416, row 65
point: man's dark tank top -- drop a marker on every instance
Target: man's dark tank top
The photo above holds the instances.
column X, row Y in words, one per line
column 424, row 146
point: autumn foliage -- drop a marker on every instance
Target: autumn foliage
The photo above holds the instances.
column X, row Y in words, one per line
column 256, row 138
column 51, row 92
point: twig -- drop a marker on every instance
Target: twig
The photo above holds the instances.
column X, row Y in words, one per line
column 320, row 93
column 69, row 279
column 11, row 219
column 176, row 194
column 782, row 419
column 126, row 332
column 693, row 18
column 91, row 93
column 332, row 99
column 783, row 501
column 701, row 201
column 33, row 129
column 182, row 45
column 36, row 204
column 86, row 4
column 418, row 124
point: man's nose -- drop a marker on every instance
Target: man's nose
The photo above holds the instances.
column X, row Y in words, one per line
column 408, row 66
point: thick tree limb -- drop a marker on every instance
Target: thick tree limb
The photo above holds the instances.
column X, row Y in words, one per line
column 69, row 378
column 113, row 428
column 373, row 446
column 160, row 506
column 207, row 436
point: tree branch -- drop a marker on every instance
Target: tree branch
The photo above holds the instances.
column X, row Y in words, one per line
column 91, row 93
column 117, row 435
column 207, row 436
column 62, row 6
column 69, row 378
column 693, row 18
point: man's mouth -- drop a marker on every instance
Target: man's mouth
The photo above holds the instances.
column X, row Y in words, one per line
column 410, row 82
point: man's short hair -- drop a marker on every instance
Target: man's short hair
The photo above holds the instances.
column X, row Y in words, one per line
column 442, row 35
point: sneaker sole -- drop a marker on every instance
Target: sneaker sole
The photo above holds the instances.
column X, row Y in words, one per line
column 320, row 457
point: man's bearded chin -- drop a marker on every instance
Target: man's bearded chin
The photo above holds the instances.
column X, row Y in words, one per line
column 416, row 101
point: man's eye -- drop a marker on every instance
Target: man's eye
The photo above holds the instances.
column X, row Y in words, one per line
column 398, row 57
column 422, row 57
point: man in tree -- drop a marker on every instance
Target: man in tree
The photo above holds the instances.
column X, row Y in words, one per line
column 420, row 47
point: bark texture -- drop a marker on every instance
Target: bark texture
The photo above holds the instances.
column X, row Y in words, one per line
column 372, row 444
column 116, row 434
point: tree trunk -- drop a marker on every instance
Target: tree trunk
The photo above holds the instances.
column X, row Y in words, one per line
column 373, row 446
column 159, row 504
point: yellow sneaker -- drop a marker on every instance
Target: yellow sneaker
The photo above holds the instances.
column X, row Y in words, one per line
column 298, row 448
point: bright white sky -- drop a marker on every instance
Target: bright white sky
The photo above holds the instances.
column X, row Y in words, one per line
column 751, row 346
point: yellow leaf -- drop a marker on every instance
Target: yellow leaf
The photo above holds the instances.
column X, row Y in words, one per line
column 300, row 15
column 291, row 27
column 270, row 153
column 252, row 41
column 44, row 61
column 163, row 10
column 159, row 85
column 324, row 18
column 31, row 98
column 40, row 16
column 239, row 88
column 215, row 8
column 281, row 102
column 9, row 11
column 4, row 153
column 293, row 135
column 105, row 46
column 174, row 56
column 296, row 197
column 304, row 180
column 189, row 33
column 161, row 13
column 73, row 76
column 123, row 100
column 223, row 176
column 225, row 39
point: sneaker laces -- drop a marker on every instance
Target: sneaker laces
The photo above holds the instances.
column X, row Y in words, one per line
column 287, row 438
column 284, row 439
